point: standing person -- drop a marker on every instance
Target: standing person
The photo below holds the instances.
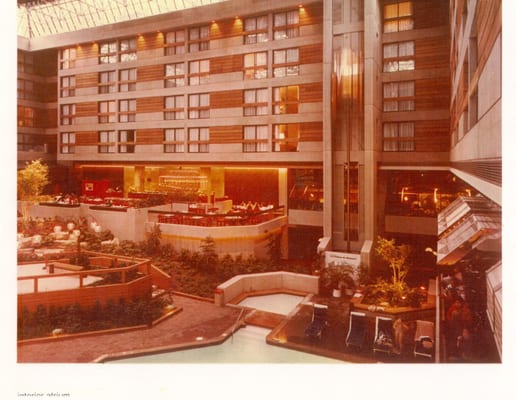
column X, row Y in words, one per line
column 399, row 327
column 458, row 317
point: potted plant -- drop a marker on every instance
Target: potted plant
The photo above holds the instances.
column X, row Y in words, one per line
column 336, row 279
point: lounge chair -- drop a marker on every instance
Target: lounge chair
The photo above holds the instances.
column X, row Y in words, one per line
column 319, row 321
column 383, row 335
column 424, row 339
column 357, row 330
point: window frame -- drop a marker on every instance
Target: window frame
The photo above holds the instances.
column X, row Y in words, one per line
column 129, row 84
column 286, row 64
column 287, row 103
column 198, row 144
column 67, row 58
column 107, row 144
column 175, row 47
column 397, row 21
column 129, row 144
column 201, row 75
column 107, row 116
column 255, row 71
column 130, row 53
column 176, row 112
column 128, row 115
column 175, row 142
column 255, row 107
column 108, row 86
column 290, row 141
column 398, row 142
column 176, row 80
column 202, row 41
column 108, row 55
column 258, row 34
column 201, row 110
column 259, row 140
column 68, row 89
column 289, row 29
column 399, row 103
column 67, row 114
column 25, row 116
column 396, row 60
column 67, row 146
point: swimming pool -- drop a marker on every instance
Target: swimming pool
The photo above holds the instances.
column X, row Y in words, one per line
column 246, row 346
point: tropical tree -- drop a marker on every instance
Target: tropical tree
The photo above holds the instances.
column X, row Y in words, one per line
column 31, row 182
column 396, row 257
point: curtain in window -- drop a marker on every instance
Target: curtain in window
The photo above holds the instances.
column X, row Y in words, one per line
column 292, row 55
column 250, row 96
column 390, row 90
column 261, row 96
column 293, row 17
column 406, row 49
column 280, row 57
column 390, row 50
column 390, row 26
column 261, row 59
column 406, row 129
column 405, row 9
column 280, row 19
column 261, row 22
column 262, row 133
column 406, row 24
column 406, row 89
column 390, row 131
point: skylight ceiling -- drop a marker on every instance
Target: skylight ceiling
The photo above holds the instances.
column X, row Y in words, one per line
column 48, row 17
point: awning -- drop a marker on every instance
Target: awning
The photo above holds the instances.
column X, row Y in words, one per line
column 467, row 224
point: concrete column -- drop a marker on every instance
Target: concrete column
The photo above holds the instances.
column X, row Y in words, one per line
column 327, row 126
column 217, row 181
column 139, row 178
column 282, row 186
column 372, row 114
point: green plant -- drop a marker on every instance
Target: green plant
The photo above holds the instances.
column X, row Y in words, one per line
column 274, row 247
column 396, row 257
column 31, row 182
column 209, row 258
column 337, row 277
column 383, row 293
column 153, row 242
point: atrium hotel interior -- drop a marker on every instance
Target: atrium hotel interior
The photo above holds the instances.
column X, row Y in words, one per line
column 351, row 118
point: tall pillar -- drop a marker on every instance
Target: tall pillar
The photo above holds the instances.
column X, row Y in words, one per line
column 139, row 178
column 282, row 186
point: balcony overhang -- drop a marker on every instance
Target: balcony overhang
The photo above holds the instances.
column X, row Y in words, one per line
column 468, row 224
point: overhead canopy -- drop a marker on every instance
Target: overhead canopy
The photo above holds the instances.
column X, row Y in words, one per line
column 467, row 224
column 48, row 17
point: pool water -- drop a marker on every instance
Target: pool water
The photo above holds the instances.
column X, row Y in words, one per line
column 246, row 346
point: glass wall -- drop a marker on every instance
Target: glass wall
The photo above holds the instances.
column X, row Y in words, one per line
column 422, row 193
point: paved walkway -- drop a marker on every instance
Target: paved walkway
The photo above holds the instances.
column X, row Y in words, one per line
column 197, row 319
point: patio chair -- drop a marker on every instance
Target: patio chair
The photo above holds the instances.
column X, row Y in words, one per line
column 319, row 321
column 383, row 335
column 424, row 339
column 357, row 330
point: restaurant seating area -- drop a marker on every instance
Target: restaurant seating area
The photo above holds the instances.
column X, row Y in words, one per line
column 203, row 214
